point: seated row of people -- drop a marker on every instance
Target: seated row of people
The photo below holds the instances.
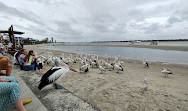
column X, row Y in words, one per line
column 27, row 61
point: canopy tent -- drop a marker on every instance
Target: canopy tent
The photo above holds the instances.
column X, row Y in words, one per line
column 15, row 32
column 11, row 38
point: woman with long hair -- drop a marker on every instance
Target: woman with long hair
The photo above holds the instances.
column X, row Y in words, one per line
column 30, row 62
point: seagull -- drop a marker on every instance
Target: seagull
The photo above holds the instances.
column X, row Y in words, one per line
column 145, row 87
column 145, row 80
column 166, row 72
column 53, row 75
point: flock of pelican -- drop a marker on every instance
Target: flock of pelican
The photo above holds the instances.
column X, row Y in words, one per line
column 62, row 65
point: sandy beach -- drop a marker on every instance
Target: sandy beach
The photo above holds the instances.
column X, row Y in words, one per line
column 124, row 91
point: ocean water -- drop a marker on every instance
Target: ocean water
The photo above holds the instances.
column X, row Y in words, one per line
column 153, row 55
column 177, row 43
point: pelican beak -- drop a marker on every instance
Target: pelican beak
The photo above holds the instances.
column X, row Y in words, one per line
column 72, row 69
column 69, row 67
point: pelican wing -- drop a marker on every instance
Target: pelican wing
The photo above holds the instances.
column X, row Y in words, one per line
column 15, row 56
column 59, row 73
column 44, row 80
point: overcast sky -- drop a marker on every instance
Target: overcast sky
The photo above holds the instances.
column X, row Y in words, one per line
column 96, row 20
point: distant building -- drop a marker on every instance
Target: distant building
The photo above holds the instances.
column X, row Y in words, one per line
column 52, row 39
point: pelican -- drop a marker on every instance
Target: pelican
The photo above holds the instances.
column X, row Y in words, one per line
column 118, row 67
column 110, row 66
column 166, row 72
column 101, row 69
column 41, row 62
column 54, row 74
column 145, row 64
column 94, row 63
column 82, row 62
column 63, row 59
column 85, row 67
column 71, row 60
column 16, row 58
column 78, row 57
column 50, row 60
column 119, row 61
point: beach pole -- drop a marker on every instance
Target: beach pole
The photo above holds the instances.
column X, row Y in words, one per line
column 12, row 37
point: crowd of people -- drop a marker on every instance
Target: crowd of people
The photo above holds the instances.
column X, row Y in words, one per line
column 9, row 86
column 4, row 48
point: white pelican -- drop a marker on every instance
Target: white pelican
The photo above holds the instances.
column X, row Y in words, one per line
column 54, row 74
column 166, row 72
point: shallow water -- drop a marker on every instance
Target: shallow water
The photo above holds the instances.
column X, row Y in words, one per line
column 153, row 55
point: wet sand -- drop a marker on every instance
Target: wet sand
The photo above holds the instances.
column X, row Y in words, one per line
column 124, row 91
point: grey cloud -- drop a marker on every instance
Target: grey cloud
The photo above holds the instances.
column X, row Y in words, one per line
column 34, row 29
column 172, row 20
column 51, row 2
column 90, row 20
column 65, row 28
column 24, row 15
